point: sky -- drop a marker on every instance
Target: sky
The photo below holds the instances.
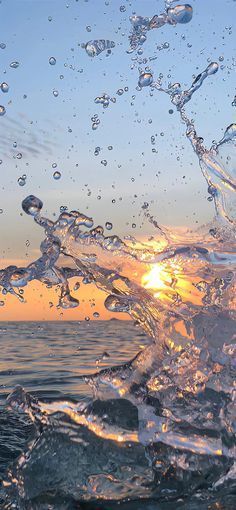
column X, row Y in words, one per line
column 43, row 132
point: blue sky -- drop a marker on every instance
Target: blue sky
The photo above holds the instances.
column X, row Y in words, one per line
column 50, row 129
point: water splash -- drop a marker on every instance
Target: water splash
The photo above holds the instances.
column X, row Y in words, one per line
column 221, row 182
column 141, row 25
column 167, row 416
column 180, row 389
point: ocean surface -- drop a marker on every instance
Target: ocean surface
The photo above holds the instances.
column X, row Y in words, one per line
column 47, row 359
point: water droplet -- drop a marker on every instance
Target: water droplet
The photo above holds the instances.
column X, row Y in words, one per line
column 108, row 225
column 122, row 8
column 104, row 162
column 52, row 61
column 32, row 205
column 230, row 134
column 2, row 110
column 14, row 65
column 56, row 175
column 104, row 100
column 180, row 13
column 120, row 92
column 95, row 47
column 2, row 303
column 2, row 46
column 212, row 68
column 88, row 28
column 96, row 151
column 96, row 315
column 22, row 180
column 55, row 93
column 145, row 79
column 4, row 87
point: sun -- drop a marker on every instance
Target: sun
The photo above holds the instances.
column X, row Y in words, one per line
column 168, row 281
column 157, row 278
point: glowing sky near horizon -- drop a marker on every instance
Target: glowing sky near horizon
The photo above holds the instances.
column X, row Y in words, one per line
column 49, row 130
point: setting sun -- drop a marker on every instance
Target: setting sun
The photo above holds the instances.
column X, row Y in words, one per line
column 168, row 281
column 157, row 278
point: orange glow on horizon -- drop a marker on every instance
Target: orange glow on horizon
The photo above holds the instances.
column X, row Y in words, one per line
column 167, row 279
column 40, row 304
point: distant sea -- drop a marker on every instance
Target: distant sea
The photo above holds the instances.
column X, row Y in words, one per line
column 47, row 359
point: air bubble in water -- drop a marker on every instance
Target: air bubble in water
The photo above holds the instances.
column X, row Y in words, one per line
column 32, row 205
column 95, row 47
column 180, row 13
column 52, row 61
column 2, row 110
column 145, row 79
column 56, row 175
column 4, row 87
